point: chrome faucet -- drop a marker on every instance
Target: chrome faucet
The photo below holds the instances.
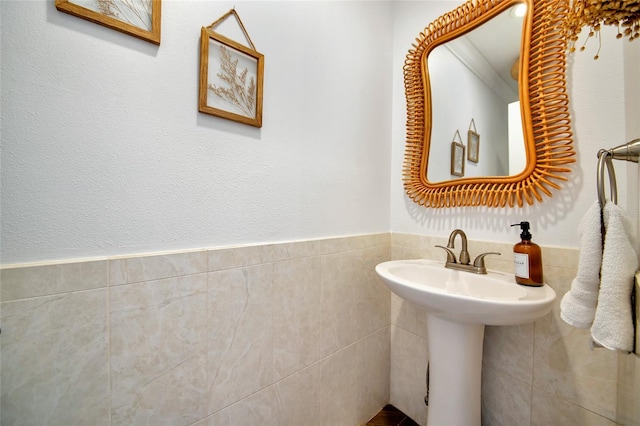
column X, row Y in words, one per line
column 463, row 264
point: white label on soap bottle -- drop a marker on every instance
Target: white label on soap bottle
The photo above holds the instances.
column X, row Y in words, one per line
column 521, row 263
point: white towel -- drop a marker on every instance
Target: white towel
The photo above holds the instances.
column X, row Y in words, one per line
column 613, row 323
column 578, row 306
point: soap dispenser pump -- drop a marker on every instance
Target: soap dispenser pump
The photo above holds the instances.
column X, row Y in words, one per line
column 527, row 257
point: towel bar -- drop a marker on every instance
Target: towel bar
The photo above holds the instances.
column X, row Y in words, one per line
column 604, row 159
column 628, row 152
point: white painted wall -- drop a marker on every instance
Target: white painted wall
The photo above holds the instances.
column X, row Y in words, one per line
column 598, row 113
column 632, row 108
column 104, row 151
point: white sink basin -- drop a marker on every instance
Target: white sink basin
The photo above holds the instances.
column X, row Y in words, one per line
column 491, row 299
column 459, row 304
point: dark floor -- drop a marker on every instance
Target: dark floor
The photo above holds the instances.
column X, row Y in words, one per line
column 391, row 416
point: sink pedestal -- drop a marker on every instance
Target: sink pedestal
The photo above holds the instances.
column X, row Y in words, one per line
column 458, row 305
column 455, row 372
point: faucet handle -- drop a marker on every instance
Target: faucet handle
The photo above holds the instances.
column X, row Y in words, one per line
column 451, row 257
column 479, row 261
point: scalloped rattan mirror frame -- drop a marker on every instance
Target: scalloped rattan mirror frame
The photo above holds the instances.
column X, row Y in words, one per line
column 544, row 106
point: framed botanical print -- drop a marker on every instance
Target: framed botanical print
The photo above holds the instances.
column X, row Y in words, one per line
column 138, row 18
column 231, row 79
column 457, row 159
column 473, row 146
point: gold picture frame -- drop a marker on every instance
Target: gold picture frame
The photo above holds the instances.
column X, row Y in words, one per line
column 231, row 79
column 473, row 146
column 138, row 18
column 457, row 159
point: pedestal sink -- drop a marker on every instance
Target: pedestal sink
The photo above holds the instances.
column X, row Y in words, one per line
column 459, row 304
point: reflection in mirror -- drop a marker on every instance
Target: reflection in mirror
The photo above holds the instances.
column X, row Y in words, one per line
column 451, row 88
column 471, row 79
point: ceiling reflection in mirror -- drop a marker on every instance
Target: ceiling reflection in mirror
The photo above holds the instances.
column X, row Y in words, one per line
column 474, row 86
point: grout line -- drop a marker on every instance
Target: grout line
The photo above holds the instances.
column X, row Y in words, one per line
column 109, row 365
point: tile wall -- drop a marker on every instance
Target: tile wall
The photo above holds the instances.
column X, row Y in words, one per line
column 534, row 374
column 284, row 334
column 629, row 376
column 257, row 335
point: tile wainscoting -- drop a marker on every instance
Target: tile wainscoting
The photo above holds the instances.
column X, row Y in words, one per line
column 283, row 334
column 271, row 335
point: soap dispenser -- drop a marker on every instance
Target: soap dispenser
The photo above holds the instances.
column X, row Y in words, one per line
column 527, row 258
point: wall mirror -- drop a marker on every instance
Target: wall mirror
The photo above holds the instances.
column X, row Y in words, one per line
column 497, row 79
